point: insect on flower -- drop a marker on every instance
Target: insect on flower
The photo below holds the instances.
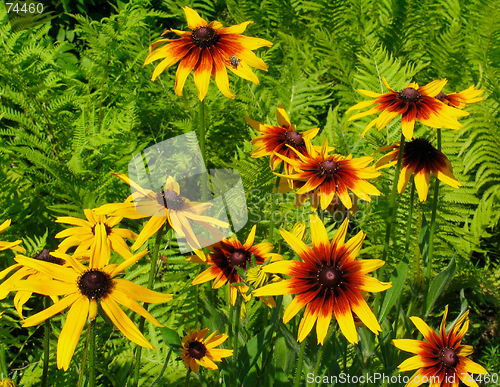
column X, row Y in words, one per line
column 234, row 61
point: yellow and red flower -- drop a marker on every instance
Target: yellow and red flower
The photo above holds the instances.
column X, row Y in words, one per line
column 327, row 175
column 461, row 99
column 228, row 254
column 420, row 158
column 328, row 282
column 208, row 49
column 279, row 140
column 441, row 359
column 198, row 350
column 412, row 103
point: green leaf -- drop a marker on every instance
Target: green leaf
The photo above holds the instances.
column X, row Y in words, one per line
column 250, row 353
column 170, row 337
column 398, row 278
column 439, row 284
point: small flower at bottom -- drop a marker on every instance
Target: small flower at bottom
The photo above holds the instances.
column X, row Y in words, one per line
column 412, row 103
column 329, row 282
column 420, row 158
column 442, row 358
column 198, row 350
column 84, row 287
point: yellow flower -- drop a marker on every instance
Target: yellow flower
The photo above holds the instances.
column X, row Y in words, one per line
column 97, row 232
column 198, row 350
column 84, row 287
column 441, row 360
column 7, row 383
column 462, row 99
column 209, row 50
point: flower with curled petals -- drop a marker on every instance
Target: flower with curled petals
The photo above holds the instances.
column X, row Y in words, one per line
column 328, row 282
column 226, row 256
column 97, row 232
column 83, row 288
column 9, row 245
column 200, row 350
column 323, row 175
column 462, row 99
column 441, row 358
column 419, row 158
column 412, row 103
column 167, row 205
column 279, row 139
column 209, row 49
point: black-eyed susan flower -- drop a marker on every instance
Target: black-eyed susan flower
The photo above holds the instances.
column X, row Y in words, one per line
column 328, row 282
column 226, row 256
column 97, row 232
column 83, row 288
column 7, row 383
column 9, row 245
column 200, row 350
column 461, row 99
column 328, row 175
column 21, row 296
column 412, row 103
column 279, row 139
column 209, row 49
column 419, row 158
column 441, row 360
column 165, row 205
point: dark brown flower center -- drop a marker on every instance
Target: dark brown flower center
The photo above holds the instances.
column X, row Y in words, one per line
column 46, row 257
column 197, row 350
column 294, row 139
column 239, row 258
column 95, row 283
column 328, row 167
column 329, row 277
column 448, row 357
column 170, row 199
column 108, row 229
column 410, row 95
column 204, row 37
column 441, row 96
column 419, row 150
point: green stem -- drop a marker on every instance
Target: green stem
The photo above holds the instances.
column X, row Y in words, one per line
column 273, row 204
column 407, row 248
column 92, row 353
column 46, row 347
column 84, row 359
column 162, row 371
column 142, row 321
column 236, row 332
column 204, row 176
column 320, row 352
column 430, row 251
column 392, row 206
column 186, row 384
column 3, row 364
column 301, row 363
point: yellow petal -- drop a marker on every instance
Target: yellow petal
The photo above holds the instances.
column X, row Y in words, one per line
column 139, row 292
column 130, row 303
column 51, row 310
column 194, row 20
column 70, row 334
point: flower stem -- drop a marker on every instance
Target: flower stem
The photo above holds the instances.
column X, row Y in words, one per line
column 84, row 359
column 273, row 204
column 92, row 354
column 319, row 356
column 407, row 247
column 186, row 384
column 392, row 206
column 300, row 364
column 204, row 176
column 152, row 271
column 46, row 347
column 430, row 251
column 162, row 371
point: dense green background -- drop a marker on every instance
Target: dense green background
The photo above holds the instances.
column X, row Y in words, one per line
column 77, row 103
